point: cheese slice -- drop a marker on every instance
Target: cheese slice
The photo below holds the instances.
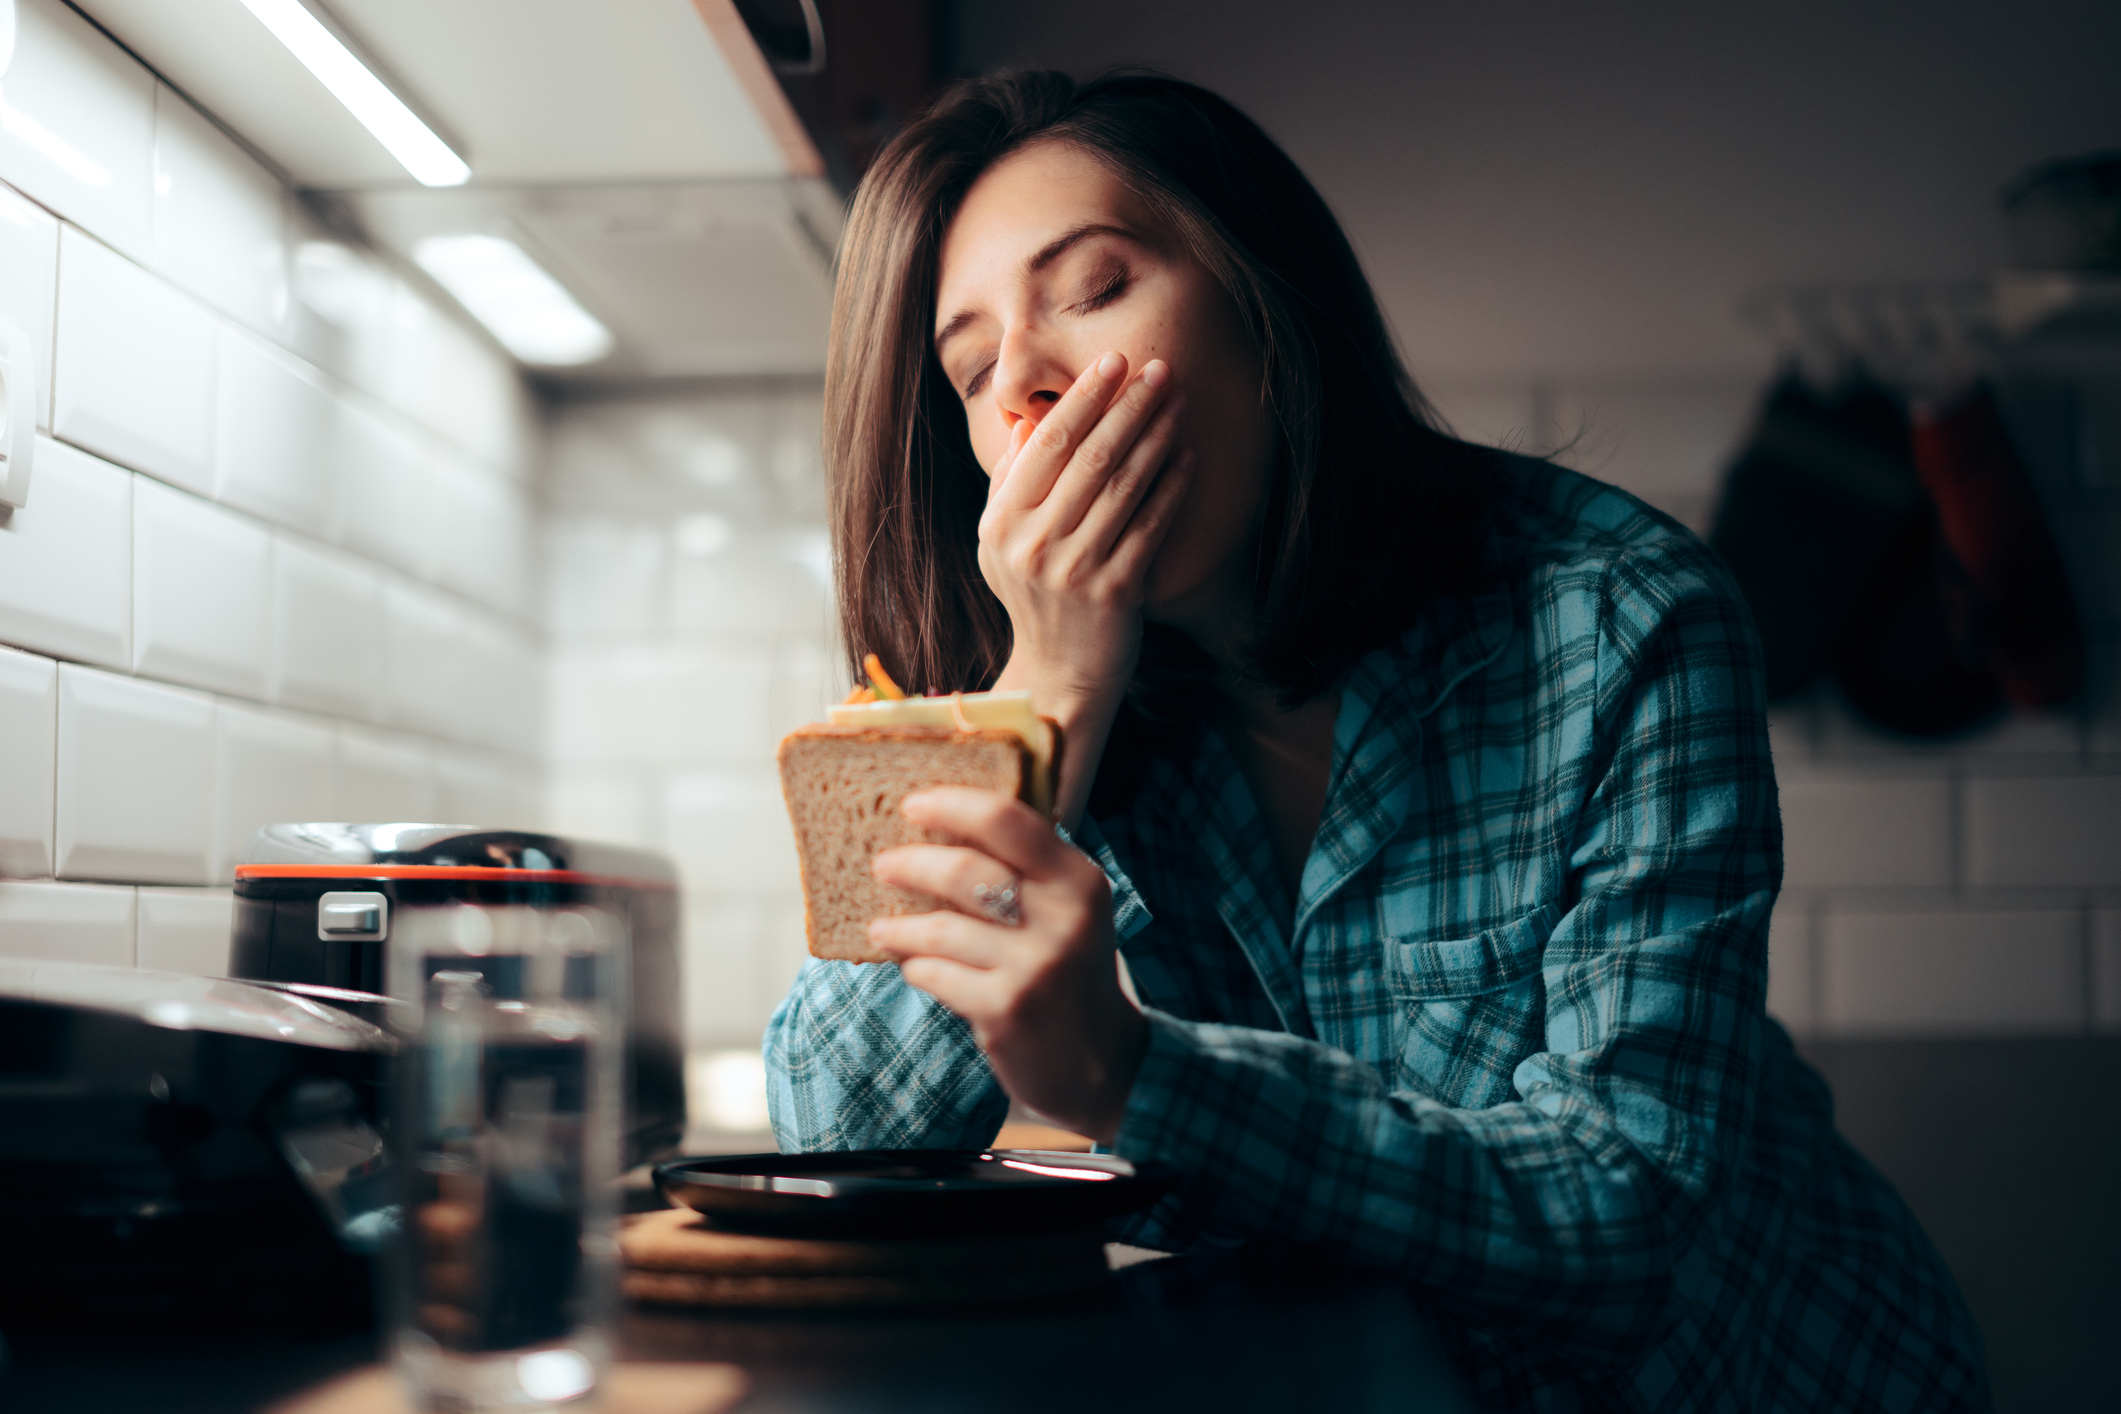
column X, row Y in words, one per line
column 1009, row 711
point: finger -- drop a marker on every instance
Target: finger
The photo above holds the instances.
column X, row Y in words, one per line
column 1143, row 410
column 953, row 875
column 1145, row 533
column 1018, row 435
column 967, row 991
column 995, row 824
column 1053, row 442
column 1105, row 519
column 941, row 934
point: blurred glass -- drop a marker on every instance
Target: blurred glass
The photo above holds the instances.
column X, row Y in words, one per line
column 506, row 1125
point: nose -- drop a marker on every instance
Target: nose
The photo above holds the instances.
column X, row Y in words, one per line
column 1030, row 374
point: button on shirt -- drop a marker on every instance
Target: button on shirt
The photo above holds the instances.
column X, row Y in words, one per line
column 1508, row 1038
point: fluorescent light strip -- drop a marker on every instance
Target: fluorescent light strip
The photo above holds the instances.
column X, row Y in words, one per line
column 379, row 110
column 532, row 314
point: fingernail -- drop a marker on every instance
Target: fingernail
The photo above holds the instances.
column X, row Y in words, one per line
column 1110, row 365
column 1157, row 373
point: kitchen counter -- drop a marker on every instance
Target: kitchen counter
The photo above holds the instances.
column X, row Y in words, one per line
column 1179, row 1333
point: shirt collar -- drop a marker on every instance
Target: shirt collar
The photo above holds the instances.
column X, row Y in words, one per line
column 1377, row 738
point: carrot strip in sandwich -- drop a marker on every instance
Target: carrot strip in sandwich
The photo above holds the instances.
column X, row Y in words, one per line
column 881, row 680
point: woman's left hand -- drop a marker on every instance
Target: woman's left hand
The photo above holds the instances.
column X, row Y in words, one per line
column 1043, row 996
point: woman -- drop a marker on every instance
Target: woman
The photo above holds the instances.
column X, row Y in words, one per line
column 1424, row 791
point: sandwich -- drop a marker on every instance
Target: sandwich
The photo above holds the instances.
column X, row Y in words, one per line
column 845, row 780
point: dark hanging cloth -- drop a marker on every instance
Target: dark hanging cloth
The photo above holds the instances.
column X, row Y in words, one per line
column 1909, row 660
column 2010, row 590
column 1813, row 508
column 1827, row 527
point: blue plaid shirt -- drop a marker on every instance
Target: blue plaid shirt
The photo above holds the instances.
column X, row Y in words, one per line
column 1508, row 1038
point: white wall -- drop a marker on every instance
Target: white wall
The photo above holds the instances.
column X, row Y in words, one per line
column 688, row 606
column 277, row 558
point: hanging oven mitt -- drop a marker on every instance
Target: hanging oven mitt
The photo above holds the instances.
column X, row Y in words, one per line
column 1908, row 659
column 1810, row 516
column 2011, row 590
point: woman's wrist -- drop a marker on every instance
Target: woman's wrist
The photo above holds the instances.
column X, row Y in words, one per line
column 1115, row 1087
column 1085, row 712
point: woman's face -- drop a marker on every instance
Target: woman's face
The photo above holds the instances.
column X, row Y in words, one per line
column 1052, row 262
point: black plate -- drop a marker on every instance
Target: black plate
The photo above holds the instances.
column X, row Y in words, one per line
column 910, row 1192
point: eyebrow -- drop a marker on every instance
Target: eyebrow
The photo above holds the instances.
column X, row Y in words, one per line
column 1045, row 255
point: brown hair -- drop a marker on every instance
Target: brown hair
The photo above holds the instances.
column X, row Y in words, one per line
column 1370, row 505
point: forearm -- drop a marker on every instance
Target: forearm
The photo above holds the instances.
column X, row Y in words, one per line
column 856, row 1059
column 1534, row 1213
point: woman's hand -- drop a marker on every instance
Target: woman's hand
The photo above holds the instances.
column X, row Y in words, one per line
column 1077, row 508
column 1043, row 997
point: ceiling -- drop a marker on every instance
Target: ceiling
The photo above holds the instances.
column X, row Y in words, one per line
column 638, row 148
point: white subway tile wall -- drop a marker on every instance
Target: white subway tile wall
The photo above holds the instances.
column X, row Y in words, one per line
column 67, row 922
column 202, row 592
column 66, row 560
column 687, row 597
column 135, row 785
column 246, row 416
column 1853, row 831
column 381, row 508
column 1792, row 978
column 133, row 378
column 2045, row 830
column 270, row 767
column 29, row 727
column 327, row 634
column 79, row 130
column 271, row 434
column 185, row 930
column 220, row 218
column 29, row 283
column 1973, row 973
column 384, row 776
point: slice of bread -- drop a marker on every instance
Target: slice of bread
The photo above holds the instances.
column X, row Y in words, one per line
column 845, row 786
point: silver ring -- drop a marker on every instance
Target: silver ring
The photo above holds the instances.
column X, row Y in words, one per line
column 1003, row 904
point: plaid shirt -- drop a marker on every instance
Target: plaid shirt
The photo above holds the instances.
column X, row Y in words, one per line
column 1508, row 1039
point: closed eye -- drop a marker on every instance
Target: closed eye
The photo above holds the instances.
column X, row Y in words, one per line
column 1109, row 287
column 978, row 380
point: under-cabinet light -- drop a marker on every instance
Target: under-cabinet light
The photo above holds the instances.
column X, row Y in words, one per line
column 532, row 314
column 382, row 112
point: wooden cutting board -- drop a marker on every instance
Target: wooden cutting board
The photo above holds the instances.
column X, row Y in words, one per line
column 673, row 1258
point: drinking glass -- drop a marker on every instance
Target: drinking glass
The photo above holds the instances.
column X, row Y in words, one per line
column 506, row 1121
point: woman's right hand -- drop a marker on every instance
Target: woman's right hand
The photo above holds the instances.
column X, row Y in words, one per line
column 1077, row 507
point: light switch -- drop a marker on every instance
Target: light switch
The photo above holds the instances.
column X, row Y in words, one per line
column 352, row 917
column 18, row 413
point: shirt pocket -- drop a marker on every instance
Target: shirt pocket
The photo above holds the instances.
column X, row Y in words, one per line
column 1427, row 969
column 1467, row 1011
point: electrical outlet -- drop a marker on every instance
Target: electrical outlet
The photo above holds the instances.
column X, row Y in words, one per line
column 18, row 413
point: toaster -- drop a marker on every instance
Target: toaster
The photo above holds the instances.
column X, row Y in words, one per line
column 314, row 904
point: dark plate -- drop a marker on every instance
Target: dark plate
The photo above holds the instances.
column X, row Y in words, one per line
column 910, row 1192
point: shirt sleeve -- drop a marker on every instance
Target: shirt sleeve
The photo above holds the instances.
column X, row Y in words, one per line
column 1129, row 914
column 1563, row 1211
column 858, row 1059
